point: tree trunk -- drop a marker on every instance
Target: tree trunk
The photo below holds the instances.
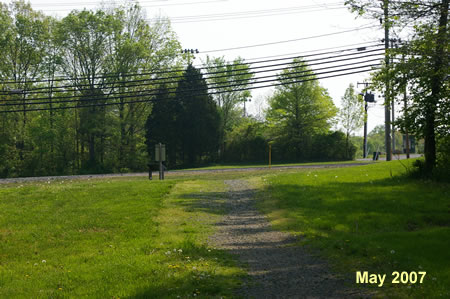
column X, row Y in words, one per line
column 436, row 81
column 122, row 134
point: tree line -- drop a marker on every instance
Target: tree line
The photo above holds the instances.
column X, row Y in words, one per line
column 92, row 93
column 418, row 78
column 96, row 90
column 83, row 61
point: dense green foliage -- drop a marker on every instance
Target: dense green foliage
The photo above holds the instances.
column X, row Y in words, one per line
column 419, row 76
column 226, row 94
column 85, row 60
column 188, row 122
column 247, row 142
column 351, row 114
column 93, row 92
column 298, row 113
column 368, row 218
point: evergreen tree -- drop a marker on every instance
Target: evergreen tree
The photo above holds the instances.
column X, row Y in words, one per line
column 161, row 125
column 199, row 122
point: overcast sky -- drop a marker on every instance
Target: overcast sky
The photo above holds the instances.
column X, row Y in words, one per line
column 269, row 21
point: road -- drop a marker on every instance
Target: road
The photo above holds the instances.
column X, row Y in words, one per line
column 173, row 172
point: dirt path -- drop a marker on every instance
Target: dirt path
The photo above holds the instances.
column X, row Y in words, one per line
column 276, row 268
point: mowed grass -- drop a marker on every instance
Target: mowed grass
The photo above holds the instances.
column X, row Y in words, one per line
column 368, row 218
column 112, row 238
column 266, row 165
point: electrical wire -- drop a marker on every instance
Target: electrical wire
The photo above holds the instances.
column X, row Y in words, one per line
column 288, row 77
column 290, row 40
column 286, row 65
column 152, row 100
column 234, row 17
column 369, row 45
column 110, row 75
column 219, row 85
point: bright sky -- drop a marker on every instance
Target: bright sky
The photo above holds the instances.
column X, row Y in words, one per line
column 274, row 21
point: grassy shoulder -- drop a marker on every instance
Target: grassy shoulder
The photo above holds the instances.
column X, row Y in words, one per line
column 260, row 165
column 368, row 218
column 111, row 238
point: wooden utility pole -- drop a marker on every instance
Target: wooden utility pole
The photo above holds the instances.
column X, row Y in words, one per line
column 270, row 155
column 366, row 107
column 387, row 101
column 189, row 52
column 405, row 100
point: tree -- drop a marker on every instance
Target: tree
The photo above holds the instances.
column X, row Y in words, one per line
column 426, row 66
column 227, row 96
column 83, row 37
column 298, row 110
column 198, row 121
column 136, row 45
column 351, row 114
column 23, row 42
column 161, row 124
column 247, row 142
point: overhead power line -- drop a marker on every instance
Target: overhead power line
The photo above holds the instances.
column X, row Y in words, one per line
column 236, row 16
column 369, row 44
column 250, row 81
column 152, row 100
column 289, row 40
column 210, row 75
column 77, row 5
column 114, row 75
column 151, row 91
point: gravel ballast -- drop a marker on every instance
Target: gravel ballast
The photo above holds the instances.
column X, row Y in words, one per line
column 276, row 266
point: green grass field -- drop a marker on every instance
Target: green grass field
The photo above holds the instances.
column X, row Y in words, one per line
column 134, row 238
column 111, row 238
column 369, row 218
column 259, row 165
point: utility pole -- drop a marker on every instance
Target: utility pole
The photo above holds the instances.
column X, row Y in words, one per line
column 405, row 100
column 387, row 95
column 365, row 129
column 190, row 52
column 366, row 107
column 394, row 44
column 245, row 100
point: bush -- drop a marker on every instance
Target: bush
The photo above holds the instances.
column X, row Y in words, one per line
column 245, row 143
column 441, row 172
column 332, row 147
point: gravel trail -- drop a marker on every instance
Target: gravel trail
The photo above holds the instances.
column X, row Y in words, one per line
column 276, row 267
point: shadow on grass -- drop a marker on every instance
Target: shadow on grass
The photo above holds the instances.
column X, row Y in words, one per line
column 382, row 225
column 277, row 267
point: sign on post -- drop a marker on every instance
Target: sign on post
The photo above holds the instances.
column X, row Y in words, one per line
column 160, row 156
column 163, row 152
